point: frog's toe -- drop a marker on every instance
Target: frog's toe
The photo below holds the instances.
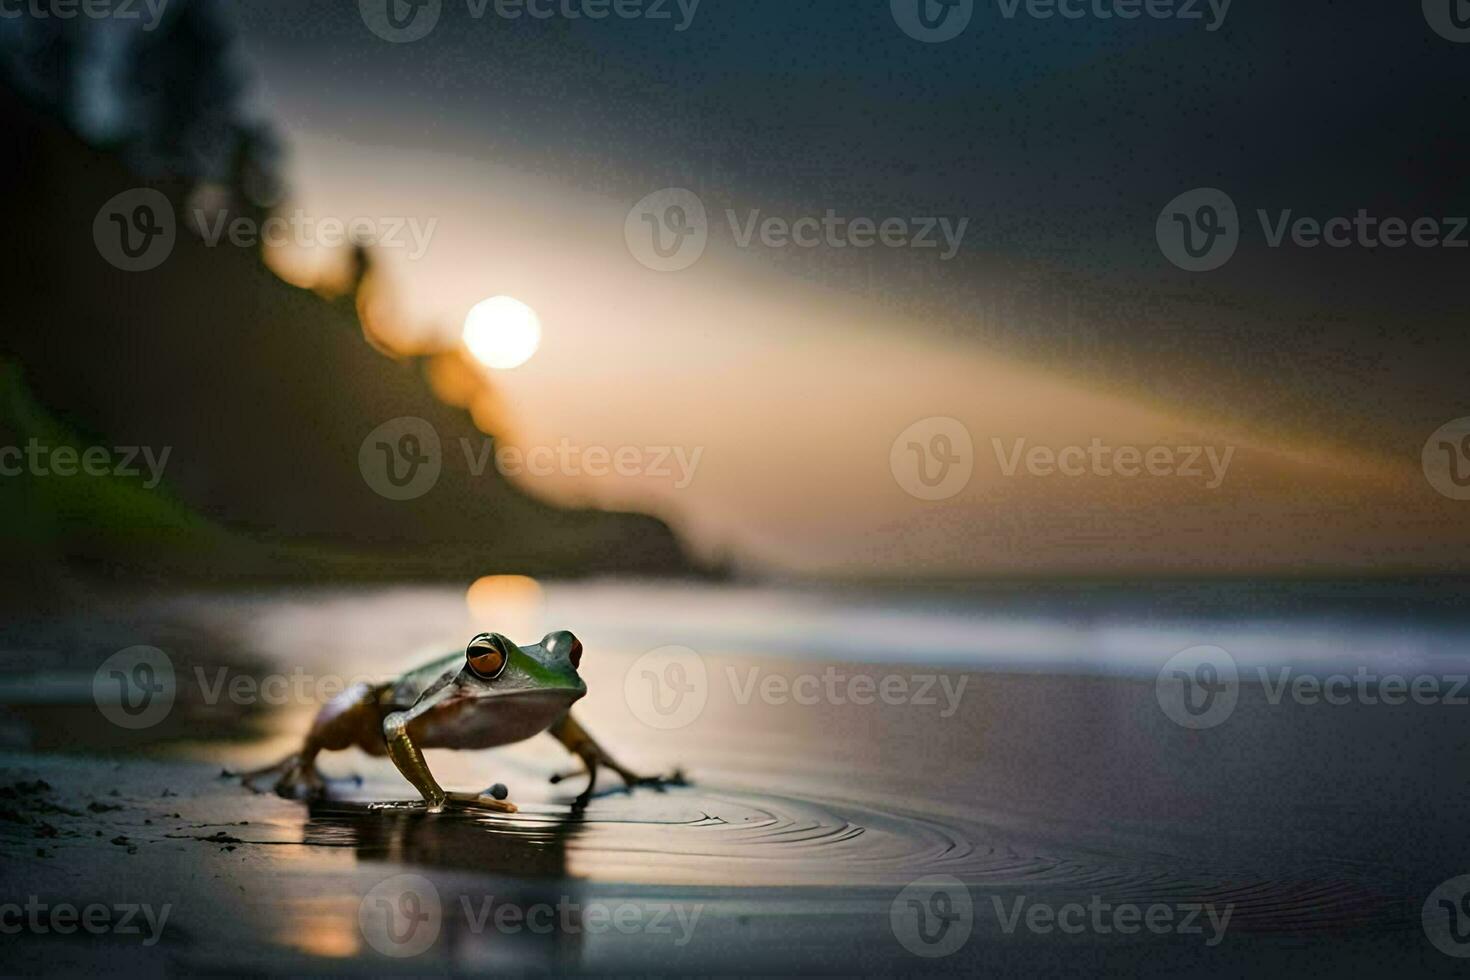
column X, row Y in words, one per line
column 300, row 781
column 632, row 780
column 286, row 771
column 301, row 785
column 570, row 774
column 484, row 801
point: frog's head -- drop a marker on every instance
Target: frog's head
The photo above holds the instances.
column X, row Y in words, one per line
column 535, row 679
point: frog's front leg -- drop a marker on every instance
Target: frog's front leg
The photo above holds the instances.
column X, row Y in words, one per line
column 585, row 747
column 410, row 761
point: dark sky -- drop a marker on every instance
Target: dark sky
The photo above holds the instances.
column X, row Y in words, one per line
column 1061, row 140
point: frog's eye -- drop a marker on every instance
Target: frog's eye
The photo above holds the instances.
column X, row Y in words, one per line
column 561, row 642
column 487, row 655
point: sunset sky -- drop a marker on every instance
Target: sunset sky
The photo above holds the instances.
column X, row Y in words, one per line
column 792, row 371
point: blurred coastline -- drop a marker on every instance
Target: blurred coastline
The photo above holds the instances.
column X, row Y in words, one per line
column 258, row 391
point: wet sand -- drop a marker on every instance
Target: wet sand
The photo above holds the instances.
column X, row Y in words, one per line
column 1302, row 837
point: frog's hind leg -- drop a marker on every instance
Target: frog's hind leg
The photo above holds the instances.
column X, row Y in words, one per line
column 295, row 777
column 351, row 718
column 576, row 741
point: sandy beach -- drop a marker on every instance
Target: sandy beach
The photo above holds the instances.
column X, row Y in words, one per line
column 1076, row 826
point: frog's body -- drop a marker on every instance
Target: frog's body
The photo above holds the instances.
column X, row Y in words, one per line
column 494, row 693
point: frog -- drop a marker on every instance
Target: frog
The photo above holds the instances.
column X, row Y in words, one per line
column 494, row 693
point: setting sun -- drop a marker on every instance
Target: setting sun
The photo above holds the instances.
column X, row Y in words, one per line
column 502, row 332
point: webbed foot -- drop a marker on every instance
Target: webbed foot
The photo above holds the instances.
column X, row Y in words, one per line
column 296, row 779
column 631, row 780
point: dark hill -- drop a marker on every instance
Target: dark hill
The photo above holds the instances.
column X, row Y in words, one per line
column 264, row 394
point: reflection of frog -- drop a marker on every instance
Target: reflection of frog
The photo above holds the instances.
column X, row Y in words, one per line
column 493, row 694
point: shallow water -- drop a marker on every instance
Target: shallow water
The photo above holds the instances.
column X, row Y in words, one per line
column 1315, row 830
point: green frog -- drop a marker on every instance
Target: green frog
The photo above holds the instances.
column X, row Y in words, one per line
column 494, row 693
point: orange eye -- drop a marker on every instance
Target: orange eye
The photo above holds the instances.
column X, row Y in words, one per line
column 487, row 655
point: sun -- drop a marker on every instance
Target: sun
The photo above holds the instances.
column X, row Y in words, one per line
column 502, row 332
